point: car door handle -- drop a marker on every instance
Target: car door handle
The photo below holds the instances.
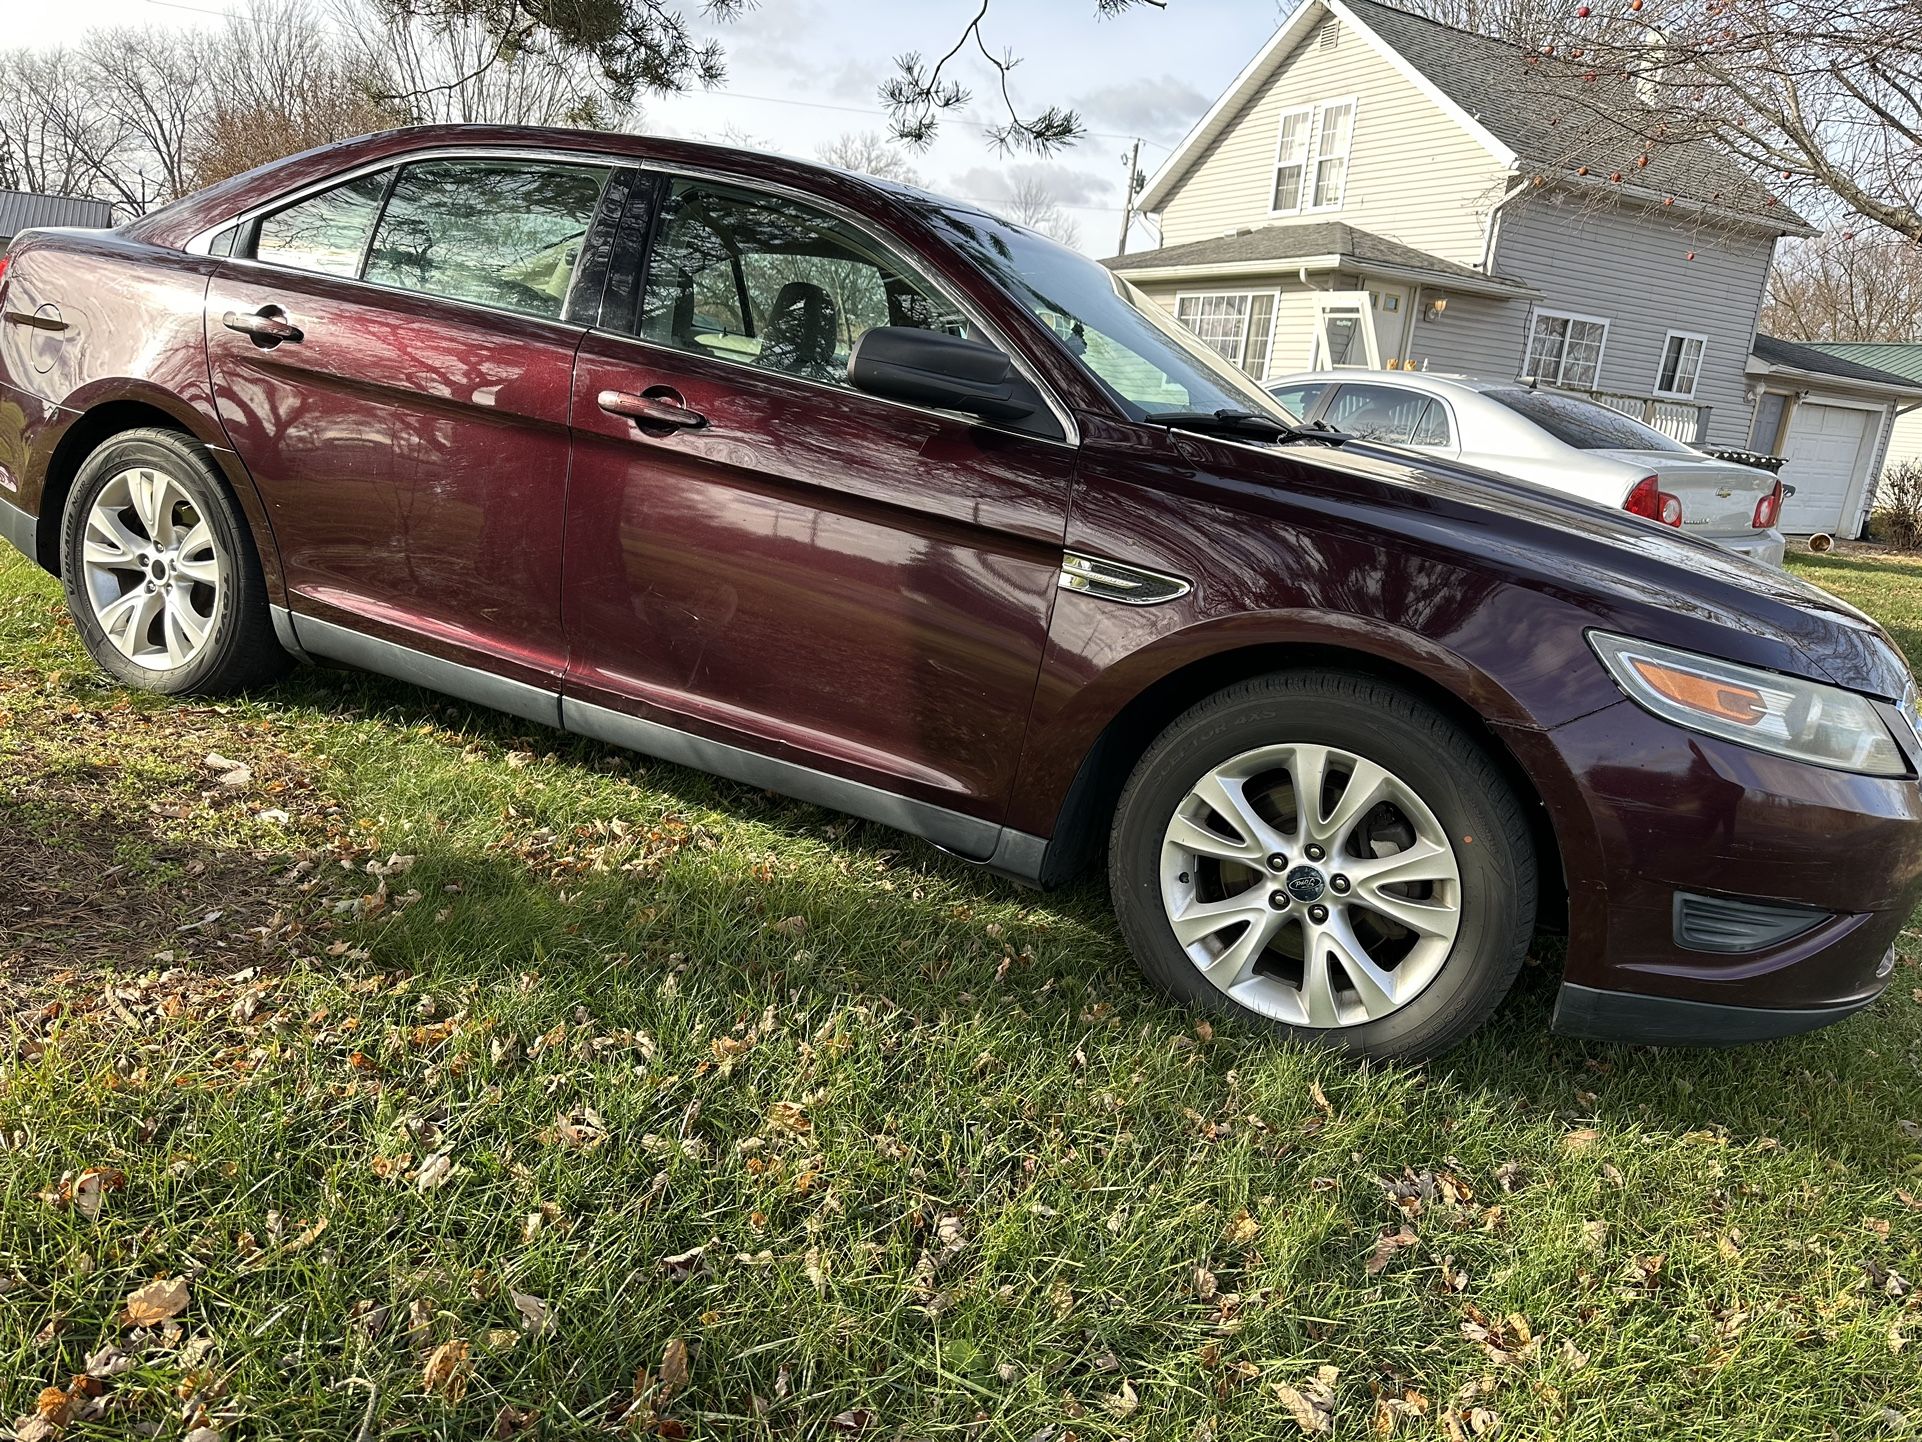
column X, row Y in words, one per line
column 267, row 326
column 658, row 407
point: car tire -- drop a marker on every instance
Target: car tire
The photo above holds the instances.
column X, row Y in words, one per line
column 160, row 570
column 1418, row 910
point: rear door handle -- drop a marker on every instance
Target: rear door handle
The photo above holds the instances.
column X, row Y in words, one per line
column 267, row 326
column 657, row 407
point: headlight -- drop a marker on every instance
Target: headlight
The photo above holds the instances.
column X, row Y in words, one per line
column 1801, row 719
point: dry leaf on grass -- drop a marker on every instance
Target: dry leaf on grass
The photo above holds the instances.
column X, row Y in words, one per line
column 532, row 1309
column 1582, row 1139
column 1242, row 1228
column 448, row 1367
column 1312, row 1404
column 434, row 1171
column 674, row 1368
column 154, row 1303
column 1386, row 1245
column 1123, row 1403
column 790, row 1117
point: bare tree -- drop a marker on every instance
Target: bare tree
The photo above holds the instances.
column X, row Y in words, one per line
column 867, row 153
column 151, row 91
column 1847, row 286
column 1820, row 99
column 50, row 138
column 1032, row 204
column 284, row 82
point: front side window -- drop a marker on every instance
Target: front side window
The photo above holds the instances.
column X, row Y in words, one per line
column 325, row 233
column 1566, row 350
column 1388, row 414
column 1299, row 399
column 775, row 284
column 1139, row 352
column 1681, row 364
column 1236, row 327
column 503, row 233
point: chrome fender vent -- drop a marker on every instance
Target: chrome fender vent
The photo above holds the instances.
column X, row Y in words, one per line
column 1114, row 581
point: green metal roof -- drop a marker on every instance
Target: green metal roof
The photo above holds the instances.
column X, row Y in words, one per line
column 1904, row 358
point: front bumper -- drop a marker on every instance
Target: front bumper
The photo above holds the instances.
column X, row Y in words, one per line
column 1768, row 547
column 1644, row 811
column 18, row 529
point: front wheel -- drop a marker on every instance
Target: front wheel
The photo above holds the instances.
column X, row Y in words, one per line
column 1331, row 854
column 160, row 570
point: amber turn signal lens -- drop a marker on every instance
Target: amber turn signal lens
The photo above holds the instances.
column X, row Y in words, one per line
column 1700, row 693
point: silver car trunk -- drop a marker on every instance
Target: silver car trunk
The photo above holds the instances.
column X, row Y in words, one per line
column 1718, row 497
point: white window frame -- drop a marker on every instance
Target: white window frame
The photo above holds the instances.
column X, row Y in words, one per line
column 1601, row 351
column 1304, row 164
column 1240, row 359
column 1701, row 356
column 1311, row 156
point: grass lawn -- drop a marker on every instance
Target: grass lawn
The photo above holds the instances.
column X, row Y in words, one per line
column 377, row 1067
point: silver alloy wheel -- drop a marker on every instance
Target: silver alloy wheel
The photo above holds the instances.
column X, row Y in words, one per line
column 151, row 569
column 1310, row 885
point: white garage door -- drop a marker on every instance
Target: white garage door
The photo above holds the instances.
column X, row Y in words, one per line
column 1827, row 446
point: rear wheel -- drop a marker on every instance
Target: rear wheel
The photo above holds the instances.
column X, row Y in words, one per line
column 160, row 570
column 1331, row 854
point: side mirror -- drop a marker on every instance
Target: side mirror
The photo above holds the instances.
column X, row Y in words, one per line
column 933, row 368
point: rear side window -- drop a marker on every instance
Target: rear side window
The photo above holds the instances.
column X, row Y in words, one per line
column 1583, row 424
column 325, row 233
column 503, row 233
column 1388, row 414
column 1298, row 400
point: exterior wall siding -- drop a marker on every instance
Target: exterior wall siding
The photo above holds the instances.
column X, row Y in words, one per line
column 1631, row 267
column 1413, row 174
column 1905, row 443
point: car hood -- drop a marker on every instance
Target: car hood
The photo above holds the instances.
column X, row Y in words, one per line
column 1693, row 593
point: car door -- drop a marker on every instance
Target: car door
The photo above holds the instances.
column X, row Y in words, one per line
column 766, row 557
column 392, row 358
column 1394, row 415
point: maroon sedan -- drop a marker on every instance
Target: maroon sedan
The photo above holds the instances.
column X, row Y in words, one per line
column 863, row 495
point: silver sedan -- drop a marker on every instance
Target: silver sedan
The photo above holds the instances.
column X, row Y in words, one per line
column 1553, row 439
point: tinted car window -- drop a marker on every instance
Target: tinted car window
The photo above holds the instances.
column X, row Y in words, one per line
column 768, row 282
column 503, row 233
column 1388, row 414
column 1299, row 400
column 326, row 233
column 1583, row 424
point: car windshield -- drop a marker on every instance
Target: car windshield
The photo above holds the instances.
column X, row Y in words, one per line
column 1150, row 362
column 1583, row 424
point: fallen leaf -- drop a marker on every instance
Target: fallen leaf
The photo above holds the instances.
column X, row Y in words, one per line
column 856, row 1419
column 674, row 1369
column 448, row 1367
column 1386, row 1245
column 1312, row 1404
column 434, row 1171
column 789, row 1117
column 154, row 1303
column 1581, row 1139
column 1242, row 1228
column 532, row 1309
column 1123, row 1403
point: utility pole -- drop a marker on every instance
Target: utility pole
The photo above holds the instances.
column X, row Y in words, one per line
column 1128, row 195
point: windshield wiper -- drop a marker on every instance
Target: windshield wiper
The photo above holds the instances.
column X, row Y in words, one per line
column 1246, row 423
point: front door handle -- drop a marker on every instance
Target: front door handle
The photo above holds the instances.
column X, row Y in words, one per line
column 656, row 407
column 267, row 326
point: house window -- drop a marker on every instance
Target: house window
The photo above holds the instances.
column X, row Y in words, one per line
column 1681, row 364
column 1291, row 159
column 1311, row 157
column 1566, row 350
column 1238, row 327
column 1331, row 153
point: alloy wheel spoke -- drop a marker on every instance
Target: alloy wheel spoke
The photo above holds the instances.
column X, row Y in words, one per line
column 1426, row 917
column 1237, row 962
column 108, row 542
column 1425, row 860
column 1191, row 835
column 127, row 620
column 1374, row 986
column 185, row 631
column 1308, row 770
column 1367, row 784
column 1205, row 918
column 1228, row 799
column 1318, row 982
column 149, row 491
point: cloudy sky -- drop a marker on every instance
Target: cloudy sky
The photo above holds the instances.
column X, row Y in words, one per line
column 802, row 72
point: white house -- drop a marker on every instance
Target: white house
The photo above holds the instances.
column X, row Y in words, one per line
column 1377, row 189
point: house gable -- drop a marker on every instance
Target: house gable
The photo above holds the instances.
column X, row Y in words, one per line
column 1419, row 170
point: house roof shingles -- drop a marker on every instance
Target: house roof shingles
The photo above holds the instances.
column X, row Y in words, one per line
column 1279, row 244
column 23, row 209
column 1792, row 355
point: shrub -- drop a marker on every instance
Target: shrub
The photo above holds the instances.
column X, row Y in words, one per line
column 1897, row 517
